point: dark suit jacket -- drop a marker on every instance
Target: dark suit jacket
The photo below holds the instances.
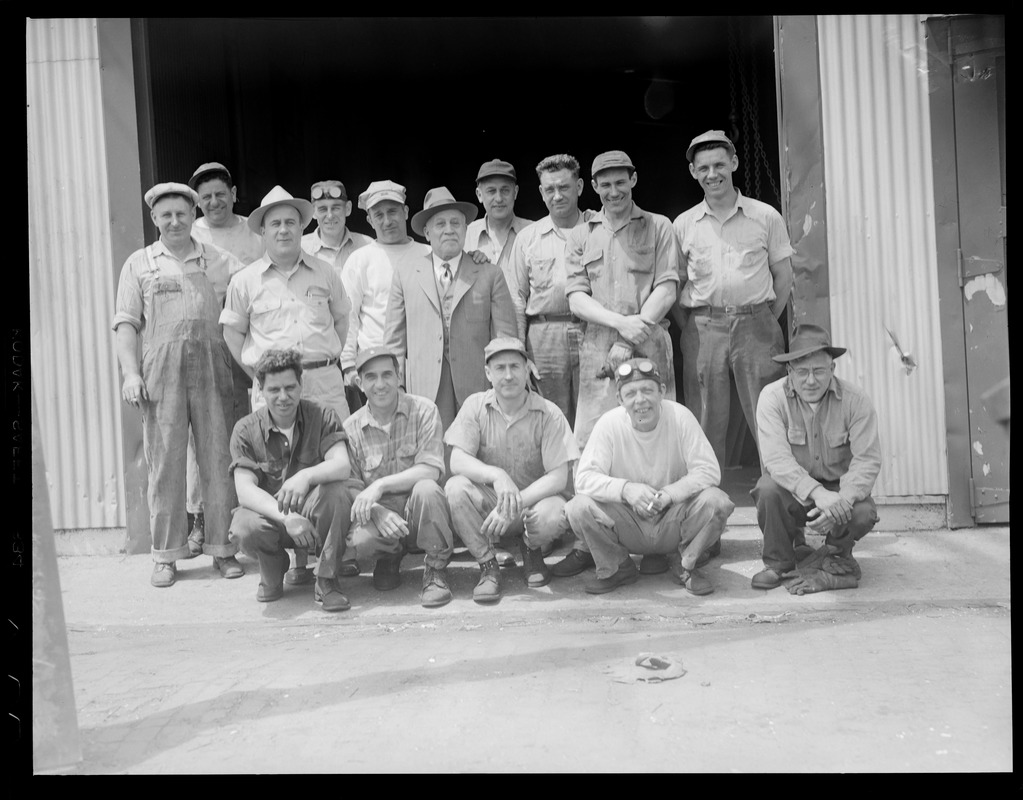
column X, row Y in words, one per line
column 414, row 326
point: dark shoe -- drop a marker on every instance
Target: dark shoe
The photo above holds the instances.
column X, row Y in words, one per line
column 267, row 594
column 349, row 568
column 435, row 588
column 653, row 564
column 197, row 536
column 711, row 552
column 488, row 590
column 550, row 547
column 164, row 575
column 693, row 580
column 627, row 573
column 504, row 558
column 327, row 592
column 228, row 566
column 766, row 579
column 387, row 572
column 575, row 562
column 535, row 568
column 299, row 576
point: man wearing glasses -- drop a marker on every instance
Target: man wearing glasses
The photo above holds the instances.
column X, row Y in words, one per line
column 332, row 241
column 821, row 453
column 647, row 483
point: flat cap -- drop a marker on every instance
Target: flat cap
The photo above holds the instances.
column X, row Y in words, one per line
column 503, row 344
column 367, row 355
column 496, row 168
column 612, row 159
column 381, row 190
column 206, row 169
column 710, row 136
column 162, row 189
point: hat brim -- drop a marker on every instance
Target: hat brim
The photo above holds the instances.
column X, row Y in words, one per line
column 303, row 207
column 420, row 218
column 784, row 358
column 199, row 177
column 692, row 148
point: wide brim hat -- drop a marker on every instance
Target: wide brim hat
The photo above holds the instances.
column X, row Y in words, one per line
column 437, row 200
column 278, row 196
column 809, row 339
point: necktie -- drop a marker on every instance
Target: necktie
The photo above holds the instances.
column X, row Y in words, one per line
column 445, row 277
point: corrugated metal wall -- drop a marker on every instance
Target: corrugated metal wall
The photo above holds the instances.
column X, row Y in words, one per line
column 881, row 236
column 74, row 368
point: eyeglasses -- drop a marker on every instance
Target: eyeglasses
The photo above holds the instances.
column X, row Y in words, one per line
column 819, row 373
column 643, row 367
column 327, row 191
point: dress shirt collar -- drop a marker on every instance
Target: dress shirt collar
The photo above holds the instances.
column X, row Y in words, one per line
column 403, row 409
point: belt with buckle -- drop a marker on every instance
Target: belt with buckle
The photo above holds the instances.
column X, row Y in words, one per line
column 751, row 309
column 552, row 318
column 318, row 364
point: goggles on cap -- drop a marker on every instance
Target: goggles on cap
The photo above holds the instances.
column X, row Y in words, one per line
column 645, row 368
column 324, row 192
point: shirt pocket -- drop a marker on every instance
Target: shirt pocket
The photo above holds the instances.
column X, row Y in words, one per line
column 371, row 463
column 168, row 302
column 267, row 314
column 837, row 440
column 317, row 302
column 700, row 259
column 752, row 246
column 593, row 261
column 540, row 273
column 406, row 455
column 797, row 436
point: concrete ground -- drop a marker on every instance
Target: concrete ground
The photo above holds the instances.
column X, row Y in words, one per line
column 909, row 672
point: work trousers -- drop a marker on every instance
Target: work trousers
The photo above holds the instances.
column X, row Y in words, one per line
column 471, row 502
column 781, row 518
column 716, row 342
column 186, row 368
column 327, row 506
column 614, row 530
column 555, row 350
column 429, row 525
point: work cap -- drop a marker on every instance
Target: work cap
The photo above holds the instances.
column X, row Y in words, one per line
column 808, row 338
column 496, row 167
column 612, row 159
column 636, row 369
column 381, row 190
column 206, row 169
column 162, row 189
column 278, row 196
column 710, row 136
column 324, row 190
column 502, row 344
column 437, row 200
column 367, row 355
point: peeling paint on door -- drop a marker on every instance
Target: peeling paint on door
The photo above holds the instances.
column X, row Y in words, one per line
column 988, row 284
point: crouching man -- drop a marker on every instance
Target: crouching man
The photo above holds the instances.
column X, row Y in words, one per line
column 289, row 461
column 397, row 458
column 647, row 483
column 510, row 458
column 821, row 452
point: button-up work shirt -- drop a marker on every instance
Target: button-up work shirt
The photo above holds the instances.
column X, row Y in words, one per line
column 620, row 268
column 802, row 449
column 257, row 445
column 728, row 263
column 278, row 311
column 478, row 236
column 414, row 438
column 134, row 303
column 538, row 262
column 236, row 238
column 367, row 279
column 337, row 257
column 535, row 441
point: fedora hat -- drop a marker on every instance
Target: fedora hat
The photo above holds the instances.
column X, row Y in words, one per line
column 437, row 200
column 808, row 338
column 278, row 196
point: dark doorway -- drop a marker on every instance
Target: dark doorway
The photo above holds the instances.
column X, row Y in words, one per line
column 426, row 101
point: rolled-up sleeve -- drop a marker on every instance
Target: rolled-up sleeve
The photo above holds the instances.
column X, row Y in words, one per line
column 666, row 249
column 576, row 277
column 129, row 303
column 243, row 450
column 464, row 432
column 429, row 431
column 236, row 306
column 778, row 245
column 332, row 431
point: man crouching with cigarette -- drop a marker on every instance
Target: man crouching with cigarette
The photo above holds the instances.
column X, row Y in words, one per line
column 647, row 483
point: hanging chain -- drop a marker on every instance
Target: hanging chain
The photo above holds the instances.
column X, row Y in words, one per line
column 760, row 153
column 733, row 69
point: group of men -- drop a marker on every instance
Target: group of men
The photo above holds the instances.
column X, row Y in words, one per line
column 508, row 380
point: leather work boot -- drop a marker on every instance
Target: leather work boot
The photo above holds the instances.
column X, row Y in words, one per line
column 627, row 573
column 534, row 567
column 328, row 593
column 435, row 587
column 197, row 535
column 653, row 564
column 488, row 590
column 575, row 562
column 387, row 572
column 349, row 568
column 228, row 566
column 164, row 575
column 693, row 580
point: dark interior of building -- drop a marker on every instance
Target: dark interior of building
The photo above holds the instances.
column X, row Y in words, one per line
column 426, row 101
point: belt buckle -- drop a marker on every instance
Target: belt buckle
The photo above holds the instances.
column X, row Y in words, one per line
column 731, row 309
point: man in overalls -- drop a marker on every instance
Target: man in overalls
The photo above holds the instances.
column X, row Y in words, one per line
column 166, row 294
